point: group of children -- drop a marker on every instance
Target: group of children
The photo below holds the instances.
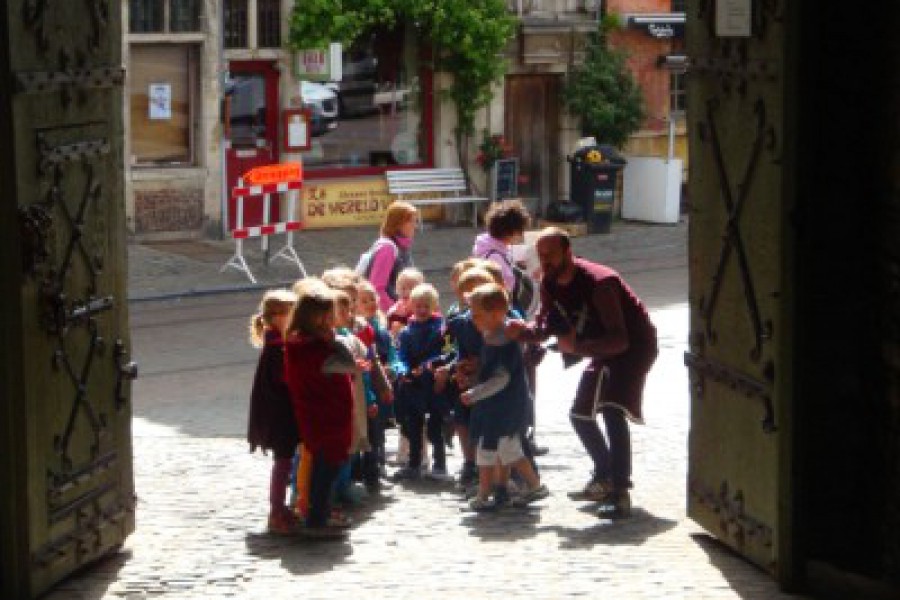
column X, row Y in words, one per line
column 334, row 373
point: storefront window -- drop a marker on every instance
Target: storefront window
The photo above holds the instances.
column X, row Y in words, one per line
column 161, row 92
column 376, row 115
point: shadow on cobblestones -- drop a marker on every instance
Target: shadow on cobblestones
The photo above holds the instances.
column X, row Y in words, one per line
column 94, row 581
column 505, row 525
column 633, row 531
column 746, row 579
column 369, row 508
column 298, row 555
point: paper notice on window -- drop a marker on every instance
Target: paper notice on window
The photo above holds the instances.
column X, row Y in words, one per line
column 733, row 18
column 298, row 132
column 160, row 95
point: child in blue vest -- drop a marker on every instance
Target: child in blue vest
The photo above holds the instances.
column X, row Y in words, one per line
column 460, row 362
column 499, row 403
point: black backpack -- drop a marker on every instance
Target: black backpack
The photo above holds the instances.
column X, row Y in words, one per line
column 524, row 296
column 364, row 265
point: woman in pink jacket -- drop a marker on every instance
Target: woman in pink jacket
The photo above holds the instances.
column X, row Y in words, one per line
column 391, row 251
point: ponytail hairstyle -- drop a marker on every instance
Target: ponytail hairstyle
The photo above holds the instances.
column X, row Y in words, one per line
column 273, row 303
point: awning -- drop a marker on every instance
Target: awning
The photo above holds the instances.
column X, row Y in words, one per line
column 658, row 25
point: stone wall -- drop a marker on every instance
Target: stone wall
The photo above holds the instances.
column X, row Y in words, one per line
column 171, row 209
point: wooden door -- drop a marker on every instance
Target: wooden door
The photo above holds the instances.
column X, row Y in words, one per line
column 252, row 130
column 741, row 331
column 531, row 128
column 65, row 415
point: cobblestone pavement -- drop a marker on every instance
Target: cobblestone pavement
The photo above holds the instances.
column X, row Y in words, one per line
column 202, row 496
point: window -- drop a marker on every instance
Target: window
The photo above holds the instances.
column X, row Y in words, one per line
column 378, row 114
column 246, row 93
column 184, row 15
column 161, row 16
column 677, row 93
column 234, row 23
column 268, row 23
column 146, row 16
column 161, row 93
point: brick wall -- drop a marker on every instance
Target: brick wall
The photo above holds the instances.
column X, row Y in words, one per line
column 168, row 210
column 643, row 53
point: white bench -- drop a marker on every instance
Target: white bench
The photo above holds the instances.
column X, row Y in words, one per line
column 447, row 186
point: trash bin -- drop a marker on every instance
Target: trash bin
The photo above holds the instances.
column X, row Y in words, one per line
column 594, row 178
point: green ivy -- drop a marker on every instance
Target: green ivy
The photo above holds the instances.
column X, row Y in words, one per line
column 603, row 93
column 467, row 36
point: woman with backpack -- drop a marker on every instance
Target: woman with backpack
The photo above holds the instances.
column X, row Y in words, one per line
column 390, row 253
column 506, row 222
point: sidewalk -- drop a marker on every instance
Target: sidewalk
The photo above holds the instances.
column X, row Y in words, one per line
column 166, row 269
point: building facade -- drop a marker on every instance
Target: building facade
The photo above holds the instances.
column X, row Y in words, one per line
column 212, row 90
column 173, row 130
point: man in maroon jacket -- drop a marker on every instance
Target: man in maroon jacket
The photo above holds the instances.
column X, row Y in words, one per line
column 595, row 315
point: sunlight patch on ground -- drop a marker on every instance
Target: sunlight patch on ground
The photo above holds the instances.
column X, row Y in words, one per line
column 142, row 427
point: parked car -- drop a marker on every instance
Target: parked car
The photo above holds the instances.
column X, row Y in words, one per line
column 322, row 104
column 356, row 89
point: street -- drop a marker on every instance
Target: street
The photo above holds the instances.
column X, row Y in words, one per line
column 202, row 498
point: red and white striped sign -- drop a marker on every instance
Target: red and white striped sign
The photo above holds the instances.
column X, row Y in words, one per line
column 249, row 232
column 266, row 181
column 269, row 188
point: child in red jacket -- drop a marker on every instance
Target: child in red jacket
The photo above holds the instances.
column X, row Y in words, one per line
column 318, row 371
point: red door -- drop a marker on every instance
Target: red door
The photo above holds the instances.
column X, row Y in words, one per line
column 251, row 129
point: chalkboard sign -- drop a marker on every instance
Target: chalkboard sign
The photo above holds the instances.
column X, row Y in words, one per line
column 505, row 179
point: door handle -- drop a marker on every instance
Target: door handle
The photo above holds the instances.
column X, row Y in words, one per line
column 126, row 370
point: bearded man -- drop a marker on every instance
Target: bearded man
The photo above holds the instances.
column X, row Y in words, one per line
column 594, row 314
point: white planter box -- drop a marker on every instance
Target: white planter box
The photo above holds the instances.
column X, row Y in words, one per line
column 651, row 189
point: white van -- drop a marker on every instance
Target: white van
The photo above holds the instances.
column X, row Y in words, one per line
column 322, row 103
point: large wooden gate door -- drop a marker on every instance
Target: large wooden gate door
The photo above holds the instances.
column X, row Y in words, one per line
column 737, row 250
column 65, row 418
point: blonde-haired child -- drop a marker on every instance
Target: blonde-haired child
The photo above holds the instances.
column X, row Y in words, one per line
column 419, row 344
column 499, row 402
column 270, row 423
column 399, row 313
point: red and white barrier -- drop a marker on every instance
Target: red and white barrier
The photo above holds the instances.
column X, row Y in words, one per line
column 263, row 193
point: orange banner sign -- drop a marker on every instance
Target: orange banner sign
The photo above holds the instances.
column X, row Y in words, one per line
column 281, row 173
